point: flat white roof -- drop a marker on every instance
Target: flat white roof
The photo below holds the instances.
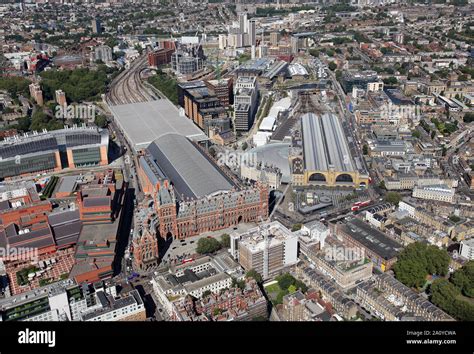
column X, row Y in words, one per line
column 268, row 123
column 144, row 122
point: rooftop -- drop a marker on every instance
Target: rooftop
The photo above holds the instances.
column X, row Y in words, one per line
column 324, row 143
column 190, row 171
column 144, row 122
column 372, row 238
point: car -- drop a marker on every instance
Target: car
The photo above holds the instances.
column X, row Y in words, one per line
column 191, row 241
column 174, row 248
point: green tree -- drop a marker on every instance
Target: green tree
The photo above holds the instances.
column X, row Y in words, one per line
column 285, row 281
column 101, row 121
column 463, row 279
column 393, row 197
column 468, row 117
column 417, row 261
column 390, row 81
column 410, row 272
column 207, row 245
column 252, row 273
column 332, row 66
column 365, row 149
column 296, row 227
column 15, row 85
column 225, row 240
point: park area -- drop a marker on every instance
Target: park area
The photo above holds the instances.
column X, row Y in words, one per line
column 283, row 285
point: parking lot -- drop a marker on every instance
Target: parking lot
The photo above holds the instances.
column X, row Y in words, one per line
column 182, row 249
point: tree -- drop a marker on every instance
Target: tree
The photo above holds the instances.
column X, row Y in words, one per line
column 15, row 85
column 463, row 279
column 225, row 240
column 416, row 134
column 410, row 273
column 382, row 185
column 417, row 261
column 365, row 149
column 393, row 197
column 285, row 281
column 101, row 121
column 206, row 293
column 332, row 66
column 468, row 117
column 207, row 245
column 390, row 81
column 252, row 273
column 217, row 311
column 296, row 227
column 238, row 284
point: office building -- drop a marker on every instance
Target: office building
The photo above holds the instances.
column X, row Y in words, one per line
column 361, row 80
column 160, row 57
column 245, row 102
column 376, row 245
column 67, row 301
column 54, row 150
column 274, row 38
column 269, row 249
column 223, row 89
column 96, row 26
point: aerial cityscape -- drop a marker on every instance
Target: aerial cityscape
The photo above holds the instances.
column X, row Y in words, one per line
column 237, row 160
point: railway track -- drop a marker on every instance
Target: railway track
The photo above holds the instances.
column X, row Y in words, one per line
column 128, row 87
